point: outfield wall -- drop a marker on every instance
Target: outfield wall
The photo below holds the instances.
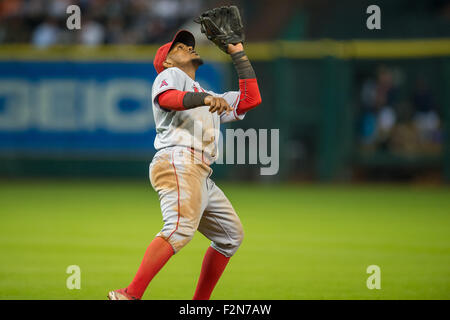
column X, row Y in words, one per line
column 72, row 110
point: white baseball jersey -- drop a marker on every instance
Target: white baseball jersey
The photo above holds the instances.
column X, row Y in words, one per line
column 197, row 127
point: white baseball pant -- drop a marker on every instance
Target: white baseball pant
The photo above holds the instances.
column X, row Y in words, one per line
column 191, row 201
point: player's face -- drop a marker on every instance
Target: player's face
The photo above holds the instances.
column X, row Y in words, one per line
column 182, row 54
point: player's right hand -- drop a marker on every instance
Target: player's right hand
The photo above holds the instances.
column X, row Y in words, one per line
column 217, row 104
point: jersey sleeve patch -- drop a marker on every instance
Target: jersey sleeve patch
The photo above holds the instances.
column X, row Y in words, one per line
column 163, row 83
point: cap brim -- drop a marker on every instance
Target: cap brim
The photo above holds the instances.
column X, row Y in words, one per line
column 185, row 37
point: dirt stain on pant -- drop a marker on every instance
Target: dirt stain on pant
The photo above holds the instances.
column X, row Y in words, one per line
column 184, row 184
column 162, row 175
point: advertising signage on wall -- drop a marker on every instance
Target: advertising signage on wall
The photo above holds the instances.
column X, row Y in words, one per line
column 81, row 107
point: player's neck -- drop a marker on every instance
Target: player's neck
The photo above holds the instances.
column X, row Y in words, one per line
column 191, row 74
column 191, row 67
column 190, row 70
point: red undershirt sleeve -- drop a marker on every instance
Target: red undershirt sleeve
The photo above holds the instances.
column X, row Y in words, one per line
column 250, row 95
column 172, row 100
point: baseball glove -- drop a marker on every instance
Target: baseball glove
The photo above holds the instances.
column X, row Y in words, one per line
column 223, row 26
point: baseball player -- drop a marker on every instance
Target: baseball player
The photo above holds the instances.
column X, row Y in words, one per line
column 180, row 170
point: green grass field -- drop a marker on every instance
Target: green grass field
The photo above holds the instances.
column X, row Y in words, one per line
column 301, row 242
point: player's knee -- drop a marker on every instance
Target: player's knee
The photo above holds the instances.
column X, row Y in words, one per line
column 239, row 236
column 229, row 247
column 181, row 236
column 185, row 233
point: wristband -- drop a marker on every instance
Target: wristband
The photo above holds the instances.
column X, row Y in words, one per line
column 194, row 99
column 243, row 66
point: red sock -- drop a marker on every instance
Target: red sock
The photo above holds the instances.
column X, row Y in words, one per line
column 214, row 264
column 157, row 254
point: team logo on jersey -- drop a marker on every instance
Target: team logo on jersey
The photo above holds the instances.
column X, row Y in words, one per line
column 163, row 83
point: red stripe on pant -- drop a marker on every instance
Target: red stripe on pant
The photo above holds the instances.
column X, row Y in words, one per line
column 178, row 199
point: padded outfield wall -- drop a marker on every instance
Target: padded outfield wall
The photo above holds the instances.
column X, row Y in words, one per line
column 76, row 111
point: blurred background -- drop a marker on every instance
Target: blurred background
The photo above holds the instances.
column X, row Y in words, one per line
column 352, row 104
column 363, row 117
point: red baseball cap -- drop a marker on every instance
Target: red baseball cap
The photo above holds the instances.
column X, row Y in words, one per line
column 182, row 36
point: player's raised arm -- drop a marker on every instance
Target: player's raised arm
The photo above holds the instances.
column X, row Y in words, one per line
column 248, row 84
column 223, row 26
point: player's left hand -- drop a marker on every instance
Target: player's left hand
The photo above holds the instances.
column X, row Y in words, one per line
column 217, row 104
column 233, row 48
